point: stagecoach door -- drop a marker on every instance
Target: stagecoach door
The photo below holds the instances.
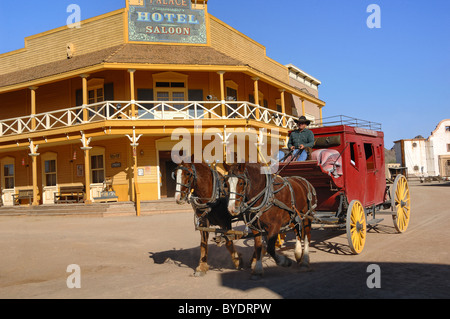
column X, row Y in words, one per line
column 371, row 174
column 166, row 167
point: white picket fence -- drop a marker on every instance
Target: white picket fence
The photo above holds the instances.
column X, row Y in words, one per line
column 145, row 110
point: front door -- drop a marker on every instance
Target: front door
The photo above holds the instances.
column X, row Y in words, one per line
column 49, row 181
column 371, row 175
column 167, row 166
column 8, row 180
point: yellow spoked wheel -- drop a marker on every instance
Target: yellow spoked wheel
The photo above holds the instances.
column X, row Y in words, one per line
column 356, row 226
column 401, row 203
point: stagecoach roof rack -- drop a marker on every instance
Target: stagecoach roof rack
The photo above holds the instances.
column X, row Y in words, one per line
column 350, row 121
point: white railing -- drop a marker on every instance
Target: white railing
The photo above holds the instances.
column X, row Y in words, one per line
column 144, row 110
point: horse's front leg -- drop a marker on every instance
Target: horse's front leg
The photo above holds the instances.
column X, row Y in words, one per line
column 235, row 256
column 257, row 266
column 302, row 255
column 203, row 265
column 307, row 239
column 279, row 259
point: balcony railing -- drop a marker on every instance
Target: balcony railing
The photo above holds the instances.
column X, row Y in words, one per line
column 144, row 110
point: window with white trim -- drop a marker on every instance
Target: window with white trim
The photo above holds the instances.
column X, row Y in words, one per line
column 97, row 169
column 8, row 176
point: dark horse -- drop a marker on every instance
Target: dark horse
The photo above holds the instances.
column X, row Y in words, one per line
column 270, row 204
column 202, row 186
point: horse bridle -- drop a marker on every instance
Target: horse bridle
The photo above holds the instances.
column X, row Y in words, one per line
column 243, row 195
column 192, row 175
column 186, row 195
column 248, row 205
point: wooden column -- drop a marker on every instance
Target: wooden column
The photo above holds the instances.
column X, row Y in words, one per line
column 87, row 167
column 85, row 96
column 303, row 108
column 132, row 95
column 137, row 193
column 256, row 95
column 321, row 116
column 222, row 93
column 283, row 106
column 33, row 106
column 34, row 155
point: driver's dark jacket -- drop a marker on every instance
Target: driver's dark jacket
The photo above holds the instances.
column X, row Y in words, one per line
column 305, row 137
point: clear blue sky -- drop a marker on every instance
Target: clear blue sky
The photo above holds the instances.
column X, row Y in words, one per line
column 398, row 75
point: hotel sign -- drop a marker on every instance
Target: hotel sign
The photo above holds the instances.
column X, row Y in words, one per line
column 166, row 21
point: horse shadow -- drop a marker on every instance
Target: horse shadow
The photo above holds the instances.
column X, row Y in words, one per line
column 218, row 257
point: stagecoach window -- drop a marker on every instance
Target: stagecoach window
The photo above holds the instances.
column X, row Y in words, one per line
column 353, row 156
column 370, row 161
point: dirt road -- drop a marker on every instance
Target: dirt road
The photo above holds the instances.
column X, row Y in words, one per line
column 155, row 256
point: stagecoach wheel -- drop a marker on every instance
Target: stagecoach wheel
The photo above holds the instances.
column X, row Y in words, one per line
column 356, row 226
column 401, row 203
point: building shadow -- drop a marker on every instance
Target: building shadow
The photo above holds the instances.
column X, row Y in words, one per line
column 348, row 280
column 325, row 280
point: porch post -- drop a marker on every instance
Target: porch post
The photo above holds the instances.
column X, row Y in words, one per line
column 33, row 106
column 222, row 93
column 132, row 95
column 256, row 95
column 321, row 116
column 87, row 166
column 303, row 108
column 34, row 155
column 137, row 193
column 283, row 106
column 85, row 96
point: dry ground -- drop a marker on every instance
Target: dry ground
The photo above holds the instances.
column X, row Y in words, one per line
column 155, row 256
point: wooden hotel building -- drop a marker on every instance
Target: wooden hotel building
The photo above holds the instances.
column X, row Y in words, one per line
column 93, row 106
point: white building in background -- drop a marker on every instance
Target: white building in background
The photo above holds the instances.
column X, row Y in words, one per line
column 426, row 157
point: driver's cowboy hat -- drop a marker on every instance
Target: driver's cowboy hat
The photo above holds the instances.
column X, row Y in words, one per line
column 303, row 120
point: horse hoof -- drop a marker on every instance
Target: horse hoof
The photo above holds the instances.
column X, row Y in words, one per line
column 284, row 262
column 199, row 273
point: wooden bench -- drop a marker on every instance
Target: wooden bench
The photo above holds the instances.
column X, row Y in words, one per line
column 107, row 197
column 23, row 194
column 108, row 194
column 70, row 194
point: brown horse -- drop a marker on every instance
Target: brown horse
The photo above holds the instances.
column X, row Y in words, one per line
column 202, row 186
column 270, row 204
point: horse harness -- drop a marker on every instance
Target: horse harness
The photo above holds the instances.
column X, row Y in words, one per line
column 252, row 213
column 217, row 191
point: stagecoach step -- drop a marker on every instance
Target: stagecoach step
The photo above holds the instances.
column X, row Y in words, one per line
column 326, row 219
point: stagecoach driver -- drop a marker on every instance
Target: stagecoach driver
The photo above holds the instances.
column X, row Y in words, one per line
column 301, row 140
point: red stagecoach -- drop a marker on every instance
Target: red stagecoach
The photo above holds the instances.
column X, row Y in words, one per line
column 347, row 170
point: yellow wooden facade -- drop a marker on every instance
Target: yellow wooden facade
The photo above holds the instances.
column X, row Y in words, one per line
column 72, row 99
